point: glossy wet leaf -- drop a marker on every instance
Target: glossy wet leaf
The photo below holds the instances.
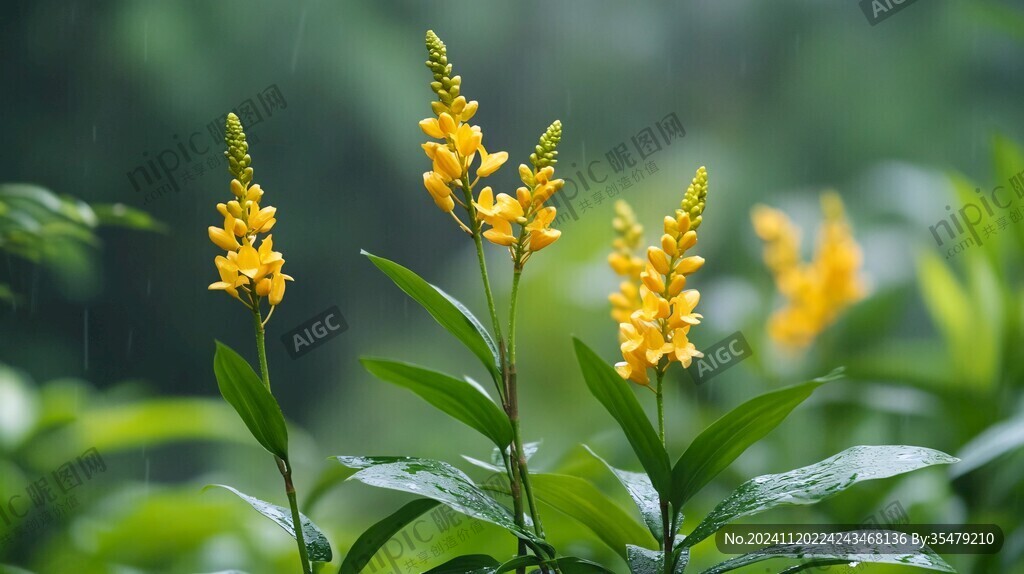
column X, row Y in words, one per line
column 880, row 554
column 446, row 310
column 469, row 564
column 618, row 398
column 243, row 389
column 437, row 480
column 642, row 493
column 816, row 482
column 371, row 541
column 728, row 437
column 456, row 398
column 999, row 439
column 317, row 546
column 582, row 501
column 573, row 565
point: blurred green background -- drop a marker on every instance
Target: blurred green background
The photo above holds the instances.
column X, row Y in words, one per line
column 780, row 100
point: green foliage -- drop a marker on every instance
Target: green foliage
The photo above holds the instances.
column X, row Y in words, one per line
column 242, row 388
column 375, row 537
column 317, row 546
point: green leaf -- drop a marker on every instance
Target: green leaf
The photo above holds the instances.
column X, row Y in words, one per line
column 999, row 439
column 529, row 449
column 458, row 399
column 643, row 494
column 814, row 483
column 879, row 554
column 120, row 215
column 243, row 389
column 728, row 437
column 317, row 546
column 583, row 502
column 618, row 399
column 371, row 541
column 446, row 310
column 437, row 480
column 573, row 565
column 470, row 564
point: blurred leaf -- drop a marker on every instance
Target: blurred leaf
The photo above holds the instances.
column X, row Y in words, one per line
column 728, row 437
column 618, row 399
column 19, row 408
column 317, row 546
column 481, row 564
column 371, row 541
column 643, row 494
column 880, row 554
column 814, row 483
column 583, row 502
column 448, row 312
column 458, row 399
column 330, row 477
column 999, row 439
column 120, row 215
column 243, row 389
column 437, row 480
column 146, row 424
column 529, row 449
column 5, row 569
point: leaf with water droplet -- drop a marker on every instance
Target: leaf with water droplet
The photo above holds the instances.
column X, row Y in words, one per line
column 437, row 480
column 814, row 483
column 317, row 546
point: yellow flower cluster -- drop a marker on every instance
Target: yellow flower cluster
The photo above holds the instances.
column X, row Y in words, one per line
column 818, row 291
column 625, row 262
column 461, row 142
column 246, row 270
column 657, row 333
column 526, row 209
column 453, row 159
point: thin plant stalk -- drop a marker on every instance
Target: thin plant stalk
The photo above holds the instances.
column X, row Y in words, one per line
column 283, row 466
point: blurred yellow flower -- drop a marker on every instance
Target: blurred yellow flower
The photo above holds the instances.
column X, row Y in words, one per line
column 818, row 291
column 656, row 311
column 247, row 272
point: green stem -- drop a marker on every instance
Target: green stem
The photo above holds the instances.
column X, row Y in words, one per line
column 661, row 405
column 512, row 315
column 283, row 466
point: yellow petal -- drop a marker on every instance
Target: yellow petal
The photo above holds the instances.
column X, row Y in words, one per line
column 438, row 189
column 659, row 259
column 491, row 162
column 248, row 261
column 447, row 124
column 431, row 127
column 223, row 239
column 542, row 238
column 277, row 289
column 446, row 163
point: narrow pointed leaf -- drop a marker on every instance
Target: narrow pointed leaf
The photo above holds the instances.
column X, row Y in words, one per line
column 371, row 541
column 469, row 564
column 456, row 398
column 243, row 389
column 618, row 399
column 880, row 554
column 437, row 480
column 447, row 311
column 995, row 441
column 317, row 546
column 529, row 449
column 583, row 502
column 814, row 483
column 573, row 565
column 643, row 494
column 728, row 437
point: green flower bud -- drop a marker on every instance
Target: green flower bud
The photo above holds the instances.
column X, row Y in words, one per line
column 545, row 153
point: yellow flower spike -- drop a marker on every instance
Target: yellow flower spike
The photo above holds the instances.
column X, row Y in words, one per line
column 659, row 259
column 447, row 164
column 541, row 238
column 664, row 311
column 689, row 265
column 432, row 128
column 652, row 279
column 489, row 163
column 435, row 185
column 500, row 233
column 248, row 261
column 223, row 238
column 677, row 285
column 669, row 245
column 446, row 123
column 467, row 140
